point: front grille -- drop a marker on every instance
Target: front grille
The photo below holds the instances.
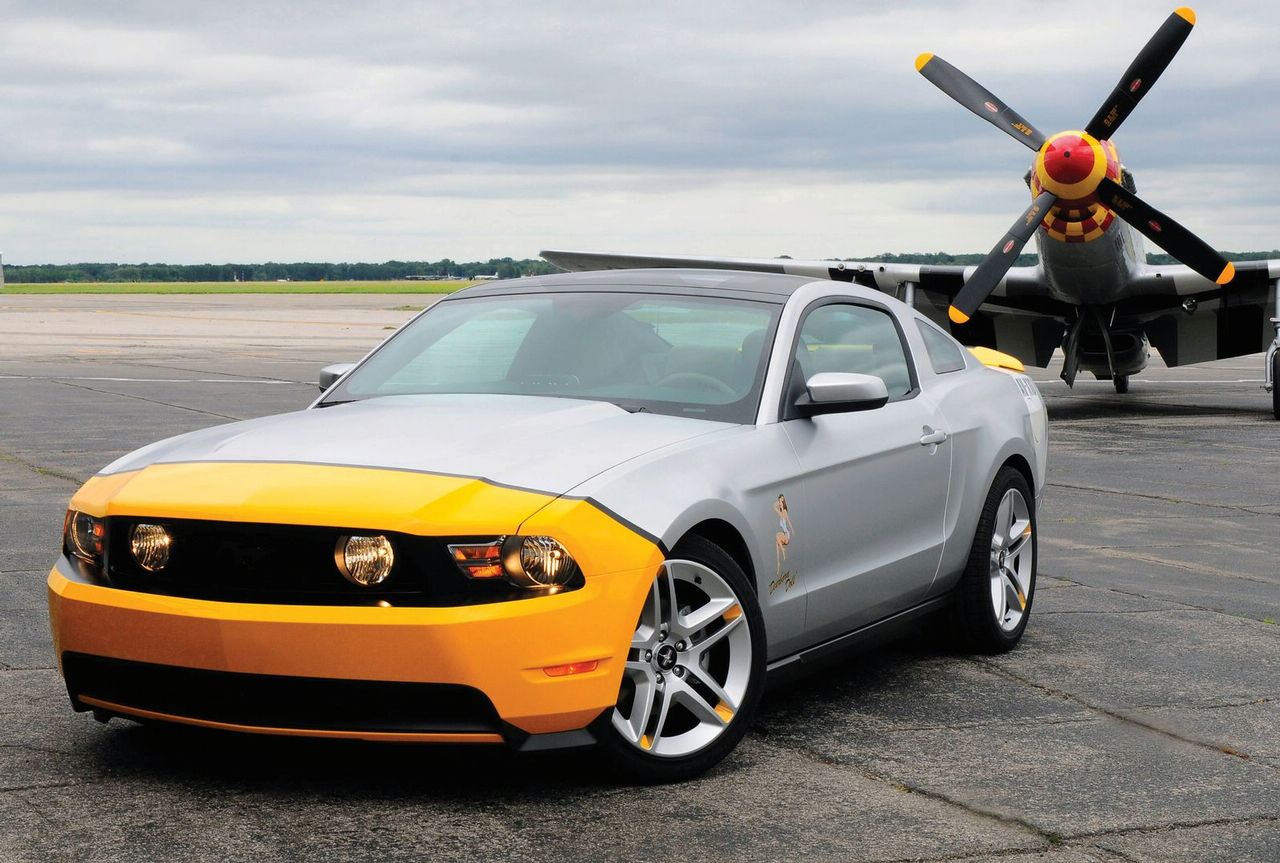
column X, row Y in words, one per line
column 271, row 701
column 291, row 564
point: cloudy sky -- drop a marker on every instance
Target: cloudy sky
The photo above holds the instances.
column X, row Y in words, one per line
column 190, row 132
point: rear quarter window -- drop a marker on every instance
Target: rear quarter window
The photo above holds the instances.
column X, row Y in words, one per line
column 945, row 353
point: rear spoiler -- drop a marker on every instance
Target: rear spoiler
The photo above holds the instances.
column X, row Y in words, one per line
column 996, row 360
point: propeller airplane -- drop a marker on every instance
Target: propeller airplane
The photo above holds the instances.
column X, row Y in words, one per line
column 1092, row 292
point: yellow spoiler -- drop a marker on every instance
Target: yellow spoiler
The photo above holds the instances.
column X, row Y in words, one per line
column 997, row 360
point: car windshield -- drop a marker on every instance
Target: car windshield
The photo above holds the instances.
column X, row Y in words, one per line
column 670, row 354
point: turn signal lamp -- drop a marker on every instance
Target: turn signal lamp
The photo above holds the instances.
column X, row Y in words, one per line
column 479, row 560
column 532, row 562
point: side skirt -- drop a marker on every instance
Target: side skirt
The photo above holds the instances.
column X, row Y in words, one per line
column 873, row 634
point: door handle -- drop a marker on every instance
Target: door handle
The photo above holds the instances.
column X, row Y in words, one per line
column 932, row 438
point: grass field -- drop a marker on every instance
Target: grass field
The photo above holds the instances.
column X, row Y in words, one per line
column 401, row 287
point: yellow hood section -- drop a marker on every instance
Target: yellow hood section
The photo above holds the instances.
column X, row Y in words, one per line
column 377, row 499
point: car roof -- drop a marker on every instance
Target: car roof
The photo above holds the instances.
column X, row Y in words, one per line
column 761, row 287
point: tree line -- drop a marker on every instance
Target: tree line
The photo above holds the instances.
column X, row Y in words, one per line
column 506, row 268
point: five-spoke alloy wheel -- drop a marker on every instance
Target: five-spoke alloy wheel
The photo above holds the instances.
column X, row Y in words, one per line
column 996, row 590
column 694, row 670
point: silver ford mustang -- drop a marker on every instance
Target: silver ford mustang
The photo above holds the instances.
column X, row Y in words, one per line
column 583, row 508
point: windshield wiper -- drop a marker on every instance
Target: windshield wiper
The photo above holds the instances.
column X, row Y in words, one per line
column 632, row 409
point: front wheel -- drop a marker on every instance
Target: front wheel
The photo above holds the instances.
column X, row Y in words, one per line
column 999, row 582
column 694, row 672
column 1121, row 383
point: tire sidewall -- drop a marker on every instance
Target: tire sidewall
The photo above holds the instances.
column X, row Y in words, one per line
column 656, row 769
column 975, row 594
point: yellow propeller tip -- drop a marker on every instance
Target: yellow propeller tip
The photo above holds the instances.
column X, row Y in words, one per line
column 957, row 316
column 923, row 60
column 1186, row 13
column 1228, row 273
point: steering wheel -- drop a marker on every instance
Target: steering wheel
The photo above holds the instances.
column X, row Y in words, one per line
column 697, row 379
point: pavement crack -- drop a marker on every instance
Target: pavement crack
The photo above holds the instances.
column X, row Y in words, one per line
column 1187, row 606
column 30, row 748
column 40, row 786
column 41, row 469
column 168, row 367
column 1171, row 825
column 149, row 401
column 1174, row 705
column 1046, row 838
column 1165, row 498
column 1118, row 715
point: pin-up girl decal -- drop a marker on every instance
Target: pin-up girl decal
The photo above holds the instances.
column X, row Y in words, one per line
column 780, row 541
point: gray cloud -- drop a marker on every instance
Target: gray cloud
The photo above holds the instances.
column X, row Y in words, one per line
column 375, row 130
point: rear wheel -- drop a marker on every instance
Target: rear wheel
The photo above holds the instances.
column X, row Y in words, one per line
column 1121, row 383
column 999, row 582
column 695, row 669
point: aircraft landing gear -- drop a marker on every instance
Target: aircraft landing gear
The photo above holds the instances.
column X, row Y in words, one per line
column 1273, row 384
column 1121, row 383
column 1272, row 369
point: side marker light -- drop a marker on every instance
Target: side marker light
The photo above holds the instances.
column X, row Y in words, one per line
column 571, row 668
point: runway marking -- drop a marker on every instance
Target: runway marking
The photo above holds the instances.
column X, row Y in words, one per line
column 221, row 319
column 150, row 380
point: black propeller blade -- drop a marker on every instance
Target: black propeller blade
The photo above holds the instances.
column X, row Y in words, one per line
column 1165, row 232
column 978, row 99
column 1142, row 73
column 999, row 260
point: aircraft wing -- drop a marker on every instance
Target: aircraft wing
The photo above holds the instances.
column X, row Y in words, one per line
column 1019, row 317
column 1189, row 319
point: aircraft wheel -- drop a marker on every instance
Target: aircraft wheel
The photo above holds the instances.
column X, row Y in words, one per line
column 1121, row 383
column 1275, row 385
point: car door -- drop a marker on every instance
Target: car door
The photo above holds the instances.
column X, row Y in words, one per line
column 875, row 481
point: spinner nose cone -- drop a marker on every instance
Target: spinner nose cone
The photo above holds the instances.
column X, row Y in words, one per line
column 1071, row 164
column 1068, row 159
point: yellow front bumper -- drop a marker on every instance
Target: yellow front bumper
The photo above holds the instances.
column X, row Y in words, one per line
column 499, row 649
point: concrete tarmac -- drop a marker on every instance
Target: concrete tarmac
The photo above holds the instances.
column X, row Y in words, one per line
column 1138, row 721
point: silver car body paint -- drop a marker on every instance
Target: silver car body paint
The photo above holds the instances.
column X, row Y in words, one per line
column 879, row 520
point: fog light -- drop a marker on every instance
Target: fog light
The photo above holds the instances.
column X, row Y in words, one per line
column 538, row 561
column 150, row 544
column 364, row 560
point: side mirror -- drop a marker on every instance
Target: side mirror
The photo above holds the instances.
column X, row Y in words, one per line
column 841, row 392
column 329, row 374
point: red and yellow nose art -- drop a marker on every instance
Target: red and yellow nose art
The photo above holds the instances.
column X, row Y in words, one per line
column 1071, row 165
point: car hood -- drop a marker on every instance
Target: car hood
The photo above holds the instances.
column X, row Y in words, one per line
column 544, row 444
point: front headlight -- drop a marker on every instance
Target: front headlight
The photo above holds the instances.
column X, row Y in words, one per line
column 537, row 561
column 526, row 561
column 84, row 536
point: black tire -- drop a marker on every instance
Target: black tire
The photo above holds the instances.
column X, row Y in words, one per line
column 978, row 629
column 1275, row 384
column 649, row 768
column 1121, row 383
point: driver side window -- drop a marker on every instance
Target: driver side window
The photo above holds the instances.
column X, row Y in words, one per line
column 841, row 337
